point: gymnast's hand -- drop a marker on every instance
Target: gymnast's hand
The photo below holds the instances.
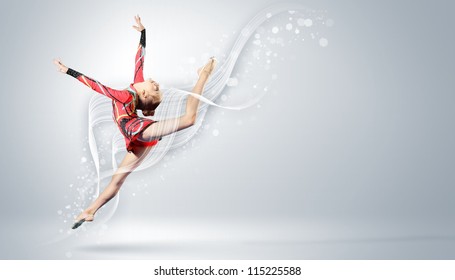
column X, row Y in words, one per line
column 62, row 68
column 139, row 26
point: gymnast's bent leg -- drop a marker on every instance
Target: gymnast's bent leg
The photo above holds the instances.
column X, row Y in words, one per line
column 166, row 127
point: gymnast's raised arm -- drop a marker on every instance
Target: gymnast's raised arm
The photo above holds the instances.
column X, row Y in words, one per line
column 140, row 53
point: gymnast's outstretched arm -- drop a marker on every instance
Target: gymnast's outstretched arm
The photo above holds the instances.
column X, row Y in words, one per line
column 118, row 95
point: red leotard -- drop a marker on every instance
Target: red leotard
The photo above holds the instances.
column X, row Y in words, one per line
column 123, row 102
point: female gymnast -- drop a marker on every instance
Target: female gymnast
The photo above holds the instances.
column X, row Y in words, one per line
column 140, row 134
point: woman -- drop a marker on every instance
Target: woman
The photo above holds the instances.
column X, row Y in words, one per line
column 140, row 133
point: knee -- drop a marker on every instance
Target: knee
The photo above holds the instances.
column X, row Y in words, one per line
column 190, row 120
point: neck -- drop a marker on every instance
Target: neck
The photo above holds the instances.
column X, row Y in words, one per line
column 138, row 103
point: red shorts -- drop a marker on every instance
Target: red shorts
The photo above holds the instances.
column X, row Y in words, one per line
column 132, row 129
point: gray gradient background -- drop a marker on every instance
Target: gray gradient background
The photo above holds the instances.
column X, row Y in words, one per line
column 352, row 158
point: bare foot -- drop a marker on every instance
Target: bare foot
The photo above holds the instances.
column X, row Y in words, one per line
column 208, row 68
column 83, row 217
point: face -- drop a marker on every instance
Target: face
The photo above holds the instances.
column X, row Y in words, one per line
column 150, row 96
column 153, row 85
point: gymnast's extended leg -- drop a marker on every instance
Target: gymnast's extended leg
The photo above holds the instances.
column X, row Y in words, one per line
column 128, row 164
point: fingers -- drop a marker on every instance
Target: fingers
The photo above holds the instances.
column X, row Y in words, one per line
column 139, row 26
column 60, row 66
column 58, row 63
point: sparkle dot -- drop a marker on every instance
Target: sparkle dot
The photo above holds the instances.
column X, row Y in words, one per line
column 268, row 15
column 301, row 22
column 232, row 82
column 83, row 159
column 323, row 42
column 308, row 22
column 223, row 97
column 216, row 132
column 257, row 36
column 275, row 30
column 289, row 26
